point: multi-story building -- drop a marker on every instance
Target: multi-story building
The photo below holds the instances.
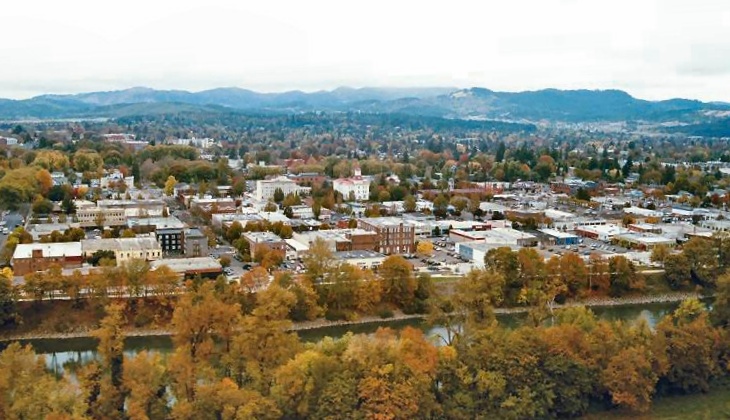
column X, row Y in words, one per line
column 308, row 178
column 211, row 205
column 267, row 240
column 135, row 208
column 125, row 249
column 167, row 230
column 195, row 243
column 356, row 188
column 394, row 236
column 225, row 220
column 265, row 188
column 340, row 240
column 102, row 217
column 29, row 258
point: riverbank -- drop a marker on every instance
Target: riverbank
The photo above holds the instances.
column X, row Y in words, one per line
column 397, row 316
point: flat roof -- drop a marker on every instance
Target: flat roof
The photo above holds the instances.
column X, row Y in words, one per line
column 348, row 255
column 159, row 222
column 260, row 237
column 296, row 245
column 645, row 238
column 58, row 249
column 185, row 265
column 383, row 221
column 498, row 233
column 558, row 233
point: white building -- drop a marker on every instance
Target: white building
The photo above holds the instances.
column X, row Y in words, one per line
column 357, row 186
column 125, row 249
column 366, row 260
column 265, row 188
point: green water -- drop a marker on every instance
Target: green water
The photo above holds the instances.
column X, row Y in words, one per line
column 82, row 350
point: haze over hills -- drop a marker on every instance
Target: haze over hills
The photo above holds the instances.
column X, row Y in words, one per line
column 473, row 103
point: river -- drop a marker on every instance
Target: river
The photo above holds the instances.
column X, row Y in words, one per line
column 82, row 350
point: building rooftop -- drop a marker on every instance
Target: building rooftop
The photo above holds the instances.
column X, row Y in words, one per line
column 119, row 244
column 347, row 255
column 188, row 265
column 557, row 233
column 383, row 221
column 194, row 233
column 262, row 237
column 157, row 222
column 59, row 249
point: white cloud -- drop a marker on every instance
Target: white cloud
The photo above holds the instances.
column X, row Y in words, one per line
column 653, row 48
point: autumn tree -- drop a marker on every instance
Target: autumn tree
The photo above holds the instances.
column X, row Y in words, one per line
column 170, row 185
column 424, row 248
column 107, row 381
column 8, row 299
column 145, row 378
column 399, row 284
column 476, row 295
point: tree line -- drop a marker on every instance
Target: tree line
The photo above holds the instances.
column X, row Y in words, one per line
column 229, row 365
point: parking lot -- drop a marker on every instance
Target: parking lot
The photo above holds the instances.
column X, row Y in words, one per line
column 442, row 259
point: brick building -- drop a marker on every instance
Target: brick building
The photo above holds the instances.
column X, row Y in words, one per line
column 29, row 258
column 394, row 236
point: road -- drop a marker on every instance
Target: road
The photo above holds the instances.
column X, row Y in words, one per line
column 11, row 219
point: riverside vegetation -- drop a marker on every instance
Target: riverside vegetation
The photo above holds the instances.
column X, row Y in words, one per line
column 235, row 356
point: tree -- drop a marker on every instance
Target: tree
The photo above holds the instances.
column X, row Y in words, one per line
column 8, row 299
column 623, row 277
column 659, row 254
column 278, row 195
column 145, row 378
column 28, row 391
column 270, row 207
column 200, row 318
column 110, row 403
column 630, row 378
column 42, row 206
column 688, row 332
column 677, row 271
column 399, row 284
column 720, row 314
column 45, row 181
column 170, row 185
column 225, row 261
column 409, row 204
column 702, row 257
column 582, row 194
column 254, row 280
column 127, row 233
column 476, row 295
column 424, row 248
column 501, row 149
column 68, row 206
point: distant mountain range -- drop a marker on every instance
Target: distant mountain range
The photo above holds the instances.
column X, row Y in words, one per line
column 475, row 103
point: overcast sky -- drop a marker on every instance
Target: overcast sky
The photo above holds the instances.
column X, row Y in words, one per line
column 652, row 49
